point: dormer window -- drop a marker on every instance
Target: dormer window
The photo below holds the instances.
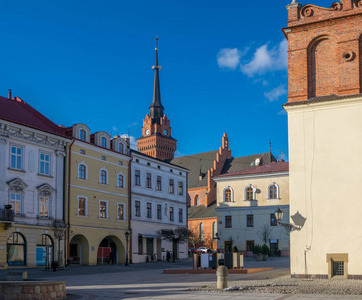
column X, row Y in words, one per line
column 120, row 147
column 82, row 135
column 103, row 142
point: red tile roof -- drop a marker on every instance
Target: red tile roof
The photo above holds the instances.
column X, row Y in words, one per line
column 273, row 167
column 18, row 111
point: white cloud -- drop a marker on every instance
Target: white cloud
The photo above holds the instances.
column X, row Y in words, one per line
column 132, row 141
column 178, row 154
column 229, row 58
column 114, row 128
column 276, row 93
column 266, row 60
column 133, row 124
column 282, row 112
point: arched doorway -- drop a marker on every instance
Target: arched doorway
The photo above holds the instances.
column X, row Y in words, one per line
column 111, row 248
column 79, row 250
column 16, row 250
column 44, row 250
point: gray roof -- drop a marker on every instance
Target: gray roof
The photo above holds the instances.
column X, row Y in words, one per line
column 194, row 162
column 202, row 212
column 322, row 99
column 246, row 162
column 205, row 161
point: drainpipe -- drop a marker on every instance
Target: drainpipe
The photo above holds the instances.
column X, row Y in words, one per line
column 68, row 222
column 129, row 207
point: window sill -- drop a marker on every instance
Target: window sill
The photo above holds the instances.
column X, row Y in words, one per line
column 273, row 198
column 120, row 187
column 45, row 175
column 103, row 218
column 17, row 170
column 121, row 220
column 106, row 184
column 83, row 179
column 83, row 216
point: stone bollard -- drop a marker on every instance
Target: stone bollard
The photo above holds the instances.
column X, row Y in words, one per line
column 222, row 277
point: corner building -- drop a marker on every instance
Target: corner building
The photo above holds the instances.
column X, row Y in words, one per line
column 324, row 123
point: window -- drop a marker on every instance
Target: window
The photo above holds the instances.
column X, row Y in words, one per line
column 249, row 220
column 249, row 245
column 228, row 195
column 159, row 211
column 137, row 208
column 104, row 158
column 15, row 201
column 82, row 206
column 137, row 177
column 148, row 180
column 228, row 222
column 338, row 268
column 120, row 163
column 171, row 214
column 16, row 158
column 273, row 191
column 120, row 211
column 103, row 142
column 180, row 188
column 44, row 167
column 273, row 220
column 159, row 183
column 103, row 209
column 103, row 177
column 140, row 244
column 82, row 169
column 44, row 207
column 149, row 210
column 120, row 147
column 148, row 163
column 170, row 187
column 120, row 181
column 197, row 200
column 82, row 135
column 82, row 151
column 249, row 193
column 214, row 229
column 180, row 215
column 201, row 231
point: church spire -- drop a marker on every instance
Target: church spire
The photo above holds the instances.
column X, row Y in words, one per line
column 156, row 108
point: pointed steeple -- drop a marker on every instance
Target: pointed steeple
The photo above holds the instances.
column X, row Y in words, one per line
column 156, row 108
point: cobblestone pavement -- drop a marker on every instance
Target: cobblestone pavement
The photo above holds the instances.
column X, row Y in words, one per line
column 147, row 281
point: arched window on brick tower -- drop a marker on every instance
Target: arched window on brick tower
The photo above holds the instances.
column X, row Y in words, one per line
column 322, row 67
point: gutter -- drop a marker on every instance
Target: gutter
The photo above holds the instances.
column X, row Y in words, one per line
column 68, row 222
column 130, row 206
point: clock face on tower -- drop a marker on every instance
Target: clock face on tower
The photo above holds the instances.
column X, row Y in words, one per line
column 165, row 132
column 147, row 132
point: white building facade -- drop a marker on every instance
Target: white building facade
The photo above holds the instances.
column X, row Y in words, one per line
column 246, row 202
column 31, row 187
column 158, row 193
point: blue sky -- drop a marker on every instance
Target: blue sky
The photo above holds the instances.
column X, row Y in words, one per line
column 224, row 67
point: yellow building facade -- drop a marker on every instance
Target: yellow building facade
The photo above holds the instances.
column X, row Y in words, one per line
column 97, row 197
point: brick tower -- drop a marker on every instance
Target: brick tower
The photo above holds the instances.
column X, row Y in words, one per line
column 324, row 126
column 156, row 140
column 324, row 49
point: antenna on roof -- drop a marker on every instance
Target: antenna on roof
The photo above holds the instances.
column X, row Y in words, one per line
column 10, row 90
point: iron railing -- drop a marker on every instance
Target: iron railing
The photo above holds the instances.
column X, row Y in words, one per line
column 6, row 215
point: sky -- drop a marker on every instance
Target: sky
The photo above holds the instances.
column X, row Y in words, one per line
column 224, row 67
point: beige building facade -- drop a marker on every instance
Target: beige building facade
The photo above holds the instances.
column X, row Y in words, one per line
column 97, row 197
column 246, row 202
column 324, row 123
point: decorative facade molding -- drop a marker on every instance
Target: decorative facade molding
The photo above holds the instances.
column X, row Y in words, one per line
column 16, row 184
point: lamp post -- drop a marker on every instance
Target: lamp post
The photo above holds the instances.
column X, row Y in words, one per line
column 127, row 236
column 279, row 216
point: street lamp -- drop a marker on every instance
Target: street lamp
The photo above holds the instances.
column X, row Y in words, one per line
column 127, row 236
column 279, row 216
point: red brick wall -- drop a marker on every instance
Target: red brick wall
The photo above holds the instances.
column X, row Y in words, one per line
column 194, row 226
column 324, row 50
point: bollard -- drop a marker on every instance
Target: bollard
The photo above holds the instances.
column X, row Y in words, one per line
column 222, row 277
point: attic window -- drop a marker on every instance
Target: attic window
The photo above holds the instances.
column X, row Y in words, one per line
column 158, row 167
column 137, row 160
column 148, row 164
column 104, row 158
column 82, row 151
column 171, row 170
column 180, row 173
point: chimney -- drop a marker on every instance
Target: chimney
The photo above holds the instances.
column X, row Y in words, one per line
column 9, row 94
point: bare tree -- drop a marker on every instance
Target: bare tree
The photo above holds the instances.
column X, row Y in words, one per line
column 265, row 233
column 58, row 227
column 194, row 237
column 178, row 236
